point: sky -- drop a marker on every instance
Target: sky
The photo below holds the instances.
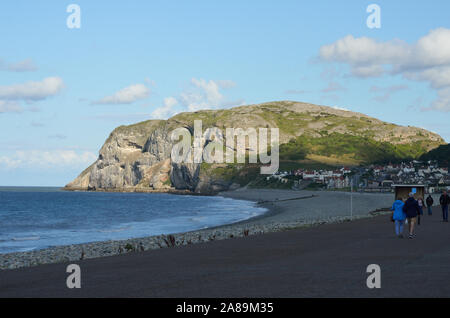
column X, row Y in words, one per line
column 63, row 90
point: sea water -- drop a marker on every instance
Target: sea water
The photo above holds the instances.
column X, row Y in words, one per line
column 36, row 218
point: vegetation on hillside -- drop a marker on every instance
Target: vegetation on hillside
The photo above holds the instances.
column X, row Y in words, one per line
column 441, row 154
column 362, row 150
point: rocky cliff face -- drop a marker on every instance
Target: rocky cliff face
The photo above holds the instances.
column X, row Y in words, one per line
column 138, row 156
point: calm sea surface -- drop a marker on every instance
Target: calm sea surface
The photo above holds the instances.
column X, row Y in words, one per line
column 38, row 217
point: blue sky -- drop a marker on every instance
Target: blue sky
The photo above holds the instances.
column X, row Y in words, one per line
column 62, row 91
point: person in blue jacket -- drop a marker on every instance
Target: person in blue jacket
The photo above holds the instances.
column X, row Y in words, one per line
column 412, row 210
column 398, row 217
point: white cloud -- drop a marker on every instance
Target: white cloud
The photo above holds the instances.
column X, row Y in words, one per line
column 432, row 49
column 32, row 91
column 341, row 108
column 9, row 163
column 443, row 101
column 364, row 51
column 225, row 84
column 205, row 94
column 426, row 60
column 367, row 71
column 126, row 95
column 46, row 159
column 201, row 94
column 438, row 76
column 166, row 110
column 10, row 107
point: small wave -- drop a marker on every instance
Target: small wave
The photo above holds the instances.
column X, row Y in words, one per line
column 26, row 249
column 121, row 229
column 27, row 238
column 197, row 219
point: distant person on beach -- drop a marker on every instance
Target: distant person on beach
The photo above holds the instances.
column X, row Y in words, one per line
column 411, row 209
column 430, row 202
column 398, row 217
column 444, row 201
column 421, row 204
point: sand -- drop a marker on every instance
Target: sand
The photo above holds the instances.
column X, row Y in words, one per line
column 311, row 205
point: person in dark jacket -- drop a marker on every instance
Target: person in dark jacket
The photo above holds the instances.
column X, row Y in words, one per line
column 444, row 201
column 430, row 202
column 421, row 205
column 411, row 209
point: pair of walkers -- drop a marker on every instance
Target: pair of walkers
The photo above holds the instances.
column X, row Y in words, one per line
column 409, row 210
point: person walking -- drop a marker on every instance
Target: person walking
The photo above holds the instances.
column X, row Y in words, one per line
column 421, row 204
column 444, row 201
column 430, row 202
column 411, row 209
column 398, row 216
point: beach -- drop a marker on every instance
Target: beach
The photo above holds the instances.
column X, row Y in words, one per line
column 286, row 210
column 329, row 260
column 298, row 207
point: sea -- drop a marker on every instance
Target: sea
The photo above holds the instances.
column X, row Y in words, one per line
column 33, row 218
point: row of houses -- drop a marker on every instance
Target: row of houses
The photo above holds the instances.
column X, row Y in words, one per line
column 374, row 177
column 338, row 178
column 332, row 179
column 414, row 172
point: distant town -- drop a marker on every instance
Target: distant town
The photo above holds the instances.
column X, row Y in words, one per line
column 373, row 178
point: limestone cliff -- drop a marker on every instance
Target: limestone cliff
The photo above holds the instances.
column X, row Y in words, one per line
column 138, row 156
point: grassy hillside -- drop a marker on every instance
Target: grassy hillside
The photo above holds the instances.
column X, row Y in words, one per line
column 295, row 119
column 350, row 148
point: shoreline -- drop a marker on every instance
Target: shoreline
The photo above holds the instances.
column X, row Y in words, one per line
column 286, row 210
column 134, row 190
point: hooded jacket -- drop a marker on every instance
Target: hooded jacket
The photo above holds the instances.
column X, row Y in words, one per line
column 397, row 207
column 430, row 201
